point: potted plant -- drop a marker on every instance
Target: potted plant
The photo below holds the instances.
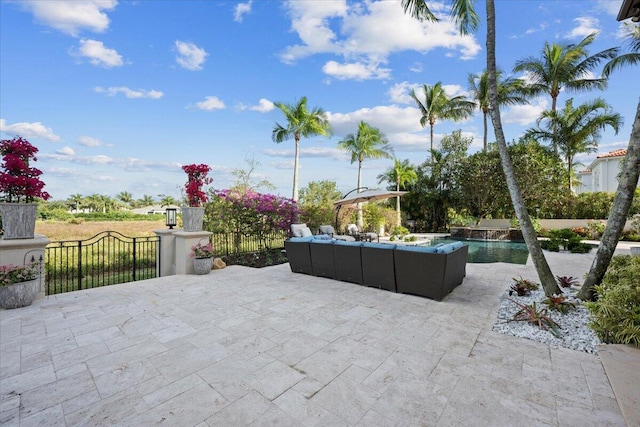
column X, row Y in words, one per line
column 202, row 255
column 18, row 285
column 193, row 214
column 19, row 185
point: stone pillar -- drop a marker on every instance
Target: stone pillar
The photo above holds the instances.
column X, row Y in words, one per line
column 167, row 258
column 24, row 252
column 184, row 240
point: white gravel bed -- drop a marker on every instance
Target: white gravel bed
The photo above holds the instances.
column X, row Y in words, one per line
column 573, row 333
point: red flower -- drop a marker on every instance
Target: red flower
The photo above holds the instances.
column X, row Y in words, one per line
column 197, row 178
column 18, row 180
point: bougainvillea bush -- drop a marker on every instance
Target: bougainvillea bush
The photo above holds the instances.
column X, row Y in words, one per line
column 250, row 213
column 196, row 179
column 19, row 182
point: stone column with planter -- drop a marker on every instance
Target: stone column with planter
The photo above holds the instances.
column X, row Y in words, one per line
column 184, row 240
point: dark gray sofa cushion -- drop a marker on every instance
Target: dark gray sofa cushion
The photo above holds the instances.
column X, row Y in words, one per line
column 347, row 261
column 378, row 269
column 322, row 258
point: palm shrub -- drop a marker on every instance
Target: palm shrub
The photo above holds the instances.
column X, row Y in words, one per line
column 615, row 315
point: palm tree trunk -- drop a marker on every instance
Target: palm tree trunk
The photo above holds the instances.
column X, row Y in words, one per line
column 398, row 215
column 484, row 118
column 618, row 214
column 554, row 125
column 360, row 221
column 570, row 166
column 296, row 159
column 537, row 256
column 431, row 134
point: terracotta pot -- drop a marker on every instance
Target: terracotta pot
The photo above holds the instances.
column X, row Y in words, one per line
column 192, row 218
column 18, row 220
column 18, row 295
column 202, row 265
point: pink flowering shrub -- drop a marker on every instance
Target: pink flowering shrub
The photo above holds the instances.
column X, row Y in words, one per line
column 254, row 214
column 10, row 274
column 18, row 181
column 197, row 178
column 201, row 250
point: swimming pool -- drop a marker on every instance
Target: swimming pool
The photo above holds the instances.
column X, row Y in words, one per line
column 487, row 251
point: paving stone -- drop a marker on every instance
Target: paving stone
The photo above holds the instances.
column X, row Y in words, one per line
column 274, row 379
column 303, row 410
column 346, row 399
column 241, row 412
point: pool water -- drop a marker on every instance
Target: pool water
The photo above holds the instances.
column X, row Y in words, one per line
column 486, row 251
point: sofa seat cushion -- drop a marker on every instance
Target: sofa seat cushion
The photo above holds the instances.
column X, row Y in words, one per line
column 378, row 245
column 347, row 243
column 448, row 248
column 301, row 239
column 422, row 249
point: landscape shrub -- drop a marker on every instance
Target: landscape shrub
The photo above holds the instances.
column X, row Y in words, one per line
column 615, row 315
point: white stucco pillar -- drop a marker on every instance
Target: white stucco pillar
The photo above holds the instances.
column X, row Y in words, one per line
column 25, row 252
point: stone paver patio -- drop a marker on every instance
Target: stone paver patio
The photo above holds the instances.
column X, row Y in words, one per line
column 246, row 346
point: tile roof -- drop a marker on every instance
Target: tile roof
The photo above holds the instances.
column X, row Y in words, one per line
column 616, row 153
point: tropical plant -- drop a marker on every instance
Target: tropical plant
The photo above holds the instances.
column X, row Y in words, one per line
column 19, row 182
column 125, row 197
column 316, row 203
column 564, row 67
column 438, row 105
column 559, row 303
column 567, row 281
column 145, row 200
column 576, row 130
column 167, row 200
column 632, row 42
column 522, row 286
column 246, row 180
column 202, row 250
column 368, row 143
column 400, row 174
column 615, row 314
column 196, row 179
column 530, row 313
column 511, row 91
column 301, row 122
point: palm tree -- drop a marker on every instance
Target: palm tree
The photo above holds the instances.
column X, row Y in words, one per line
column 627, row 182
column 167, row 200
column 438, row 105
column 576, row 129
column 511, row 91
column 368, row 143
column 146, row 200
column 464, row 15
column 631, row 58
column 401, row 174
column 125, row 197
column 564, row 66
column 300, row 123
column 75, row 200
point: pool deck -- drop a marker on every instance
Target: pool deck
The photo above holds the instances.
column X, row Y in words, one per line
column 245, row 346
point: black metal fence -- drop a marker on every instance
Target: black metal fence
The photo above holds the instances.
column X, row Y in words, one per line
column 226, row 244
column 105, row 259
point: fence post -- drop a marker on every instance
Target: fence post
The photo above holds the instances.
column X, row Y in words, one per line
column 79, row 264
column 134, row 259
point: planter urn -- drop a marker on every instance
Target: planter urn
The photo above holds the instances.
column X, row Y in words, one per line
column 202, row 265
column 18, row 295
column 18, row 220
column 192, row 218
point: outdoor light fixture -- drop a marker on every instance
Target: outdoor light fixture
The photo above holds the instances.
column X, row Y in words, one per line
column 171, row 217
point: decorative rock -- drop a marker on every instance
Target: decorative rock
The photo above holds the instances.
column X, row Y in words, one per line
column 218, row 264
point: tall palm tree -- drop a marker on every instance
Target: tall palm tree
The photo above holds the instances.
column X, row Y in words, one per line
column 125, row 197
column 511, row 91
column 632, row 57
column 368, row 143
column 438, row 105
column 576, row 129
column 300, row 123
column 564, row 66
column 146, row 200
column 463, row 14
column 627, row 181
column 400, row 174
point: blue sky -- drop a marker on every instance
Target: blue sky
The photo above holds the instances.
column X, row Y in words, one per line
column 117, row 95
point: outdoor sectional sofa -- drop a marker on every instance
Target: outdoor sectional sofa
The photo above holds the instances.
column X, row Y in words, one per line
column 431, row 272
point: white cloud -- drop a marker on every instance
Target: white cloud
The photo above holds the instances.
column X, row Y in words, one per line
column 71, row 17
column 356, row 71
column 416, row 67
column 400, row 92
column 525, row 114
column 89, row 141
column 365, row 34
column 585, row 26
column 389, row 119
column 309, row 152
column 98, row 54
column 211, row 103
column 241, row 9
column 537, row 29
column 264, row 106
column 66, row 151
column 29, row 130
column 129, row 93
column 190, row 56
column 608, row 6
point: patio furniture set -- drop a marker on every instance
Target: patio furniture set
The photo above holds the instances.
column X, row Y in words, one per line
column 431, row 271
